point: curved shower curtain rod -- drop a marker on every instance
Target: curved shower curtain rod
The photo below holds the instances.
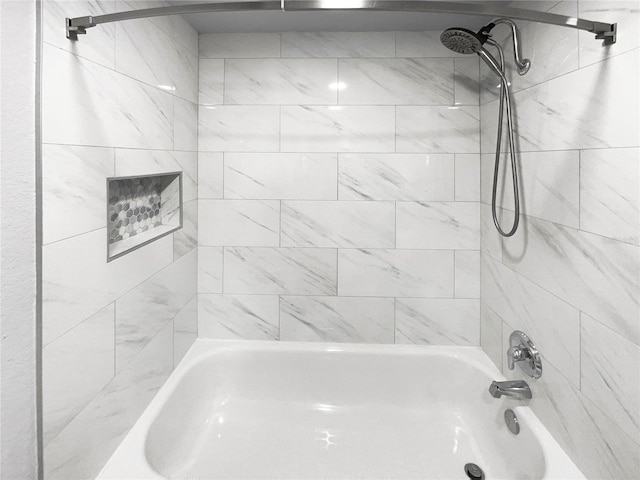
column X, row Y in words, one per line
column 603, row 31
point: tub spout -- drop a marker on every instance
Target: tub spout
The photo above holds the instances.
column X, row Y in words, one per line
column 512, row 388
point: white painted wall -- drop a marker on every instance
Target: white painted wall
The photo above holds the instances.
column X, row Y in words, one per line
column 18, row 250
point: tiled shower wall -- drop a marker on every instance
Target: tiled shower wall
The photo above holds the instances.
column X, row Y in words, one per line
column 570, row 276
column 339, row 188
column 120, row 101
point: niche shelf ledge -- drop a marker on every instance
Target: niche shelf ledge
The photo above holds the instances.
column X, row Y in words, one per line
column 142, row 209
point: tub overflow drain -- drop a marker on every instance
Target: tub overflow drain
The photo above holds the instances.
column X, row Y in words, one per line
column 473, row 471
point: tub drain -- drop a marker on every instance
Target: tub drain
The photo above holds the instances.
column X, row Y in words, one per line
column 473, row 471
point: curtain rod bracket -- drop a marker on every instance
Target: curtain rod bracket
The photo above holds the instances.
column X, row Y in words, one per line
column 78, row 26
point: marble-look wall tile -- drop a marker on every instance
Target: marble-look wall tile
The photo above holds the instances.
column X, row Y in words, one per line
column 336, row 319
column 92, row 436
column 338, row 129
column 238, row 128
column 280, row 176
column 185, row 127
column 491, row 335
column 421, row 44
column 148, row 54
column 591, row 439
column 132, row 114
column 210, row 175
column 395, row 273
column 183, row 33
column 467, row 274
column 545, row 110
column 598, row 275
column 281, row 81
column 99, row 46
column 625, row 13
column 490, row 239
column 438, row 321
column 549, row 184
column 609, row 193
column 145, row 310
column 438, row 225
column 248, row 223
column 467, row 177
column 412, row 177
column 240, row 45
column 396, row 81
column 210, row 269
column 74, row 190
column 186, row 239
column 131, row 162
column 611, row 374
column 73, row 290
column 438, row 129
column 338, row 224
column 467, row 87
column 211, row 81
column 552, row 323
column 239, row 317
column 185, row 329
column 287, row 271
column 76, row 366
column 338, row 44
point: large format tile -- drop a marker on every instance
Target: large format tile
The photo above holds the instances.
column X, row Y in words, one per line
column 146, row 53
column 438, row 321
column 247, row 223
column 338, row 44
column 438, row 225
column 84, row 103
column 438, row 129
column 553, row 324
column 74, row 190
column 467, row 274
column 421, row 44
column 412, row 177
column 289, row 271
column 239, row 128
column 395, row 273
column 73, row 290
column 185, row 329
column 90, row 439
column 545, row 110
column 281, row 81
column 611, row 374
column 609, row 193
column 548, row 181
column 396, row 81
column 98, row 46
column 338, row 129
column 598, row 275
column 280, row 176
column 238, row 317
column 467, row 177
column 491, row 335
column 211, row 82
column 76, row 366
column 210, row 263
column 145, row 310
column 490, row 239
column 210, row 175
column 240, row 45
column 467, row 87
column 186, row 239
column 185, row 125
column 338, row 224
column 336, row 319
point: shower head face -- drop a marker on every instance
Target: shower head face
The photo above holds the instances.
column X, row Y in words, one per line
column 461, row 40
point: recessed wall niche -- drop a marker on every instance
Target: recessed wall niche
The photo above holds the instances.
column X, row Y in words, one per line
column 142, row 209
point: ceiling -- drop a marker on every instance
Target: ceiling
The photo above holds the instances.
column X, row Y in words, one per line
column 349, row 21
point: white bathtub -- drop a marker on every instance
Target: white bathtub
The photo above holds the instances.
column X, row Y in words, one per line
column 258, row 410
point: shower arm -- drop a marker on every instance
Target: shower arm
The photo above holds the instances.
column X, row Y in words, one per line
column 523, row 64
column 604, row 31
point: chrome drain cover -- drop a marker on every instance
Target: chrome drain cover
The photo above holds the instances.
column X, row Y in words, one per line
column 512, row 421
column 473, row 471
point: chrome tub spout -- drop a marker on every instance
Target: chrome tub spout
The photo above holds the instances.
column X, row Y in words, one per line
column 511, row 388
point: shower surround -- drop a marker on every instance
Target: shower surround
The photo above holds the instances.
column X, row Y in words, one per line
column 119, row 102
column 570, row 276
column 339, row 188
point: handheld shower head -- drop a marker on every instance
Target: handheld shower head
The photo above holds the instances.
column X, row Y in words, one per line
column 461, row 40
